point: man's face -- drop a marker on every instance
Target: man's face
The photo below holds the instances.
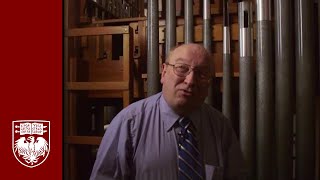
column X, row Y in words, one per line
column 184, row 93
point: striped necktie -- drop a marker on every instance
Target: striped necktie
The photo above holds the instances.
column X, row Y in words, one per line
column 189, row 159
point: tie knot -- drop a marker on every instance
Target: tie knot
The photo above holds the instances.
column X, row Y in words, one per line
column 187, row 125
column 184, row 122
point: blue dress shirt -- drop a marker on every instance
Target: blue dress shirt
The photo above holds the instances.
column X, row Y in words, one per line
column 141, row 143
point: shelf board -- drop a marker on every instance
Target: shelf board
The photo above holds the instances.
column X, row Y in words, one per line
column 122, row 20
column 114, row 86
column 95, row 31
column 88, row 140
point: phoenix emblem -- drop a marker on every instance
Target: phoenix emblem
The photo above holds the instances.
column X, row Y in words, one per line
column 31, row 141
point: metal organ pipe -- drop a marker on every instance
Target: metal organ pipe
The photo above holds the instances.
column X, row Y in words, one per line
column 207, row 43
column 170, row 25
column 284, row 60
column 305, row 90
column 153, row 48
column 188, row 22
column 246, row 83
column 227, row 65
column 264, row 92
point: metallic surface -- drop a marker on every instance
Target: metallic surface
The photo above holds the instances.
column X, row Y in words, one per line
column 263, row 10
column 227, row 86
column 246, row 31
column 206, row 9
column 265, row 101
column 245, row 6
column 207, row 43
column 170, row 25
column 247, row 112
column 227, row 66
column 153, row 48
column 305, row 90
column 246, row 87
column 284, row 59
column 265, row 93
column 246, row 42
column 226, row 40
column 188, row 22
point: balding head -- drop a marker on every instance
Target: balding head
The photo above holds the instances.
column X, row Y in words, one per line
column 184, row 77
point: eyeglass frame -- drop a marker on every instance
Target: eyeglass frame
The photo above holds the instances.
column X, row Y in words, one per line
column 190, row 68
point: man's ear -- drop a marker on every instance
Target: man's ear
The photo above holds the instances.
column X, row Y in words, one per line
column 163, row 72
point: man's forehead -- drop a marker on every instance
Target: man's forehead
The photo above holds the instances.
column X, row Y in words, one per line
column 184, row 61
column 187, row 47
column 186, row 55
column 189, row 53
column 190, row 49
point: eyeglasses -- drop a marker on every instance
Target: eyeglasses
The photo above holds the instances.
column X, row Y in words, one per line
column 184, row 70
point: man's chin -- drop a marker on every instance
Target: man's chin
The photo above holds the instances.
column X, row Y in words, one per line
column 185, row 95
column 183, row 99
column 186, row 102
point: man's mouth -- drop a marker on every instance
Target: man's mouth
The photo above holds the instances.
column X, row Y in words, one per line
column 186, row 92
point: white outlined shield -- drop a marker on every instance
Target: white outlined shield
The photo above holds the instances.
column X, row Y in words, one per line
column 31, row 141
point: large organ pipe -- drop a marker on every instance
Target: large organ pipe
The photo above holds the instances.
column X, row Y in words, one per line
column 188, row 22
column 207, row 42
column 264, row 92
column 284, row 88
column 227, row 65
column 170, row 25
column 305, row 90
column 153, row 48
column 246, row 83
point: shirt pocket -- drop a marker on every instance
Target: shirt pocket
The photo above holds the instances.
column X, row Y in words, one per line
column 214, row 172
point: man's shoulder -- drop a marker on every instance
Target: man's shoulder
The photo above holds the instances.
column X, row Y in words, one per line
column 214, row 116
column 212, row 112
column 143, row 105
column 146, row 102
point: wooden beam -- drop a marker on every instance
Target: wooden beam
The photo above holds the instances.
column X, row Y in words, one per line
column 87, row 140
column 95, row 31
column 122, row 20
column 122, row 85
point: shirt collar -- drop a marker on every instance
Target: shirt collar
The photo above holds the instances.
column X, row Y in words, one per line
column 168, row 116
column 195, row 117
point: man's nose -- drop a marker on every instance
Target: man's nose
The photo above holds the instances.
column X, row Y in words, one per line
column 190, row 78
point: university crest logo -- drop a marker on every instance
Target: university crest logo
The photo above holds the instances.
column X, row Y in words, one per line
column 31, row 141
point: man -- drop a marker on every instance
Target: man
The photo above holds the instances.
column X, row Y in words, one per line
column 148, row 140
